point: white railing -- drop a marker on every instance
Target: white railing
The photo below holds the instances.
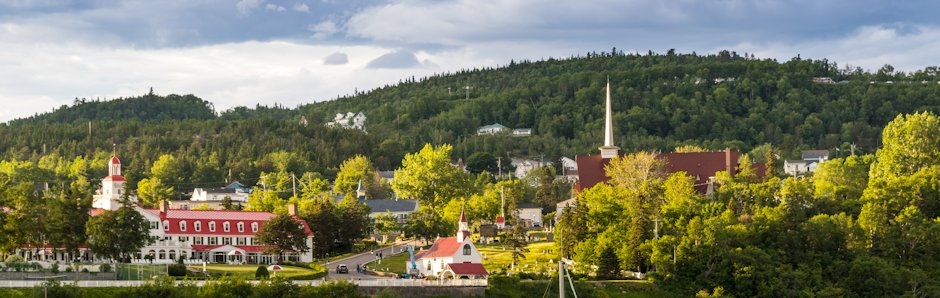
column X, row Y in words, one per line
column 361, row 283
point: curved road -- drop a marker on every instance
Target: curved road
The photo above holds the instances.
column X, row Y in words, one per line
column 361, row 259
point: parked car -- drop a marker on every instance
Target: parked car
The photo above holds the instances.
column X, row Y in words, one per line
column 342, row 268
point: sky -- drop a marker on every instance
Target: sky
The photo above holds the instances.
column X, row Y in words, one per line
column 293, row 52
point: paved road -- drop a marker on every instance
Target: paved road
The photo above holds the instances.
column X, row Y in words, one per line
column 360, row 260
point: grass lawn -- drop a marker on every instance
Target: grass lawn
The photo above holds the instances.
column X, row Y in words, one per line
column 541, row 257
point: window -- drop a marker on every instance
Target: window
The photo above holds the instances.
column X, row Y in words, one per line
column 225, row 226
column 241, row 227
column 154, row 225
column 166, row 225
column 211, row 226
column 254, row 227
column 429, row 264
column 213, row 240
column 198, row 226
column 466, row 249
column 226, row 240
column 183, row 225
column 183, row 239
column 241, row 240
column 197, row 240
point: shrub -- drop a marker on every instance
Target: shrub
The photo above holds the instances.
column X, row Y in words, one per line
column 262, row 273
column 105, row 268
column 84, row 270
column 54, row 268
column 69, row 269
column 54, row 288
column 176, row 270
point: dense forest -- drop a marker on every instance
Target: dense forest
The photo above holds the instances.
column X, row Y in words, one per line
column 661, row 101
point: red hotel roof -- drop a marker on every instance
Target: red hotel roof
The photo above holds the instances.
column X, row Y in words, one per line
column 219, row 217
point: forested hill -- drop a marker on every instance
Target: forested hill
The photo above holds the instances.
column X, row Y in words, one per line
column 148, row 107
column 661, row 101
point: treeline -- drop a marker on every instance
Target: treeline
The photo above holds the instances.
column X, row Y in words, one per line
column 860, row 226
column 661, row 101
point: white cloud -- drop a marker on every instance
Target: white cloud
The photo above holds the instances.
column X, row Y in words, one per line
column 272, row 7
column 323, row 29
column 301, row 7
column 246, row 6
column 336, row 59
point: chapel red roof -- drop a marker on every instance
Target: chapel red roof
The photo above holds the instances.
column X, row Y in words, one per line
column 115, row 160
column 443, row 247
column 468, row 269
column 500, row 219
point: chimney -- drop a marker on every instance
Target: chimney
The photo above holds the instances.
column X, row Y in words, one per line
column 292, row 209
column 164, row 206
column 730, row 161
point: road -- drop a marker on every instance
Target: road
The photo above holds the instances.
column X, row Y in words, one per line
column 361, row 259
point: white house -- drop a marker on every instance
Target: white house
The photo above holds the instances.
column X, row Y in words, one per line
column 524, row 166
column 452, row 255
column 491, row 129
column 810, row 160
column 214, row 197
column 530, row 215
column 522, row 132
column 112, row 186
column 349, row 120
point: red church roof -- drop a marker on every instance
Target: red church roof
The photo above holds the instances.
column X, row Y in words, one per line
column 468, row 269
column 698, row 165
column 443, row 247
column 500, row 219
column 115, row 160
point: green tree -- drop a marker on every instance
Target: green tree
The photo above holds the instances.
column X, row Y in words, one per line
column 428, row 177
column 426, row 224
column 355, row 170
column 67, row 218
column 387, row 224
column 608, row 266
column 117, row 234
column 480, row 162
column 356, row 223
column 283, row 233
column 152, row 191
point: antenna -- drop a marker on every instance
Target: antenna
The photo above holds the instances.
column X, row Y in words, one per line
column 467, row 87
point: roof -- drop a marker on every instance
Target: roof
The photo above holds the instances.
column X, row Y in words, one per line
column 220, row 217
column 467, row 269
column 392, row 205
column 115, row 160
column 527, row 205
column 114, row 178
column 493, row 126
column 443, row 247
column 246, row 248
column 500, row 219
column 815, row 154
column 590, row 170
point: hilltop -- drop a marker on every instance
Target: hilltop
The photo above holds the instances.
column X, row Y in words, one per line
column 661, row 101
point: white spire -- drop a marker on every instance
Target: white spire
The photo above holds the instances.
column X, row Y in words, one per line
column 609, row 150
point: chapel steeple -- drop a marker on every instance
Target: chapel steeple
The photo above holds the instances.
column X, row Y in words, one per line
column 609, row 150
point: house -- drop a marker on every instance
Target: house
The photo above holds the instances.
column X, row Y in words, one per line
column 451, row 255
column 401, row 209
column 215, row 197
column 112, row 188
column 522, row 132
column 491, row 129
column 215, row 236
column 349, row 120
column 810, row 160
column 524, row 166
column 530, row 215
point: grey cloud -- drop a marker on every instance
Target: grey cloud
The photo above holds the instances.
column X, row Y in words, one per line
column 398, row 59
column 336, row 59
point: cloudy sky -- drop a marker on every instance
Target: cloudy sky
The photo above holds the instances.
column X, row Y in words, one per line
column 248, row 52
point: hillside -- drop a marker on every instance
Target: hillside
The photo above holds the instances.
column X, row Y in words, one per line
column 660, row 100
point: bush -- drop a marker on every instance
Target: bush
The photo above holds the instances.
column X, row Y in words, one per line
column 84, row 270
column 53, row 288
column 54, row 268
column 105, row 268
column 176, row 270
column 262, row 273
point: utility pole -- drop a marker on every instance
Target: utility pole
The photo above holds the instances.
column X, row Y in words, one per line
column 499, row 167
column 467, row 87
column 293, row 183
column 561, row 278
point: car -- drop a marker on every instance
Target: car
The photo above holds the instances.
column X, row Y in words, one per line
column 342, row 268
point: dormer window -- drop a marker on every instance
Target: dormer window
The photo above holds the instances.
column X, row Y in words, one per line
column 166, row 225
column 241, row 227
column 211, row 226
column 183, row 225
column 198, row 226
column 254, row 227
column 225, row 226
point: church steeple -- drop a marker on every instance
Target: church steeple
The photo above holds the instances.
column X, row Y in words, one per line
column 609, row 150
column 463, row 228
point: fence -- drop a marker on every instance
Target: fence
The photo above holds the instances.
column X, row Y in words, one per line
column 361, row 283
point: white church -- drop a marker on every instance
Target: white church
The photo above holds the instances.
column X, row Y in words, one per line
column 112, row 186
column 454, row 257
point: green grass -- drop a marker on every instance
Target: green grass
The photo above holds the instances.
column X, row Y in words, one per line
column 542, row 257
column 394, row 264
